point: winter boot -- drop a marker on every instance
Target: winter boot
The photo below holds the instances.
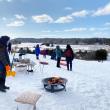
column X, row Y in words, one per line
column 2, row 89
column 6, row 87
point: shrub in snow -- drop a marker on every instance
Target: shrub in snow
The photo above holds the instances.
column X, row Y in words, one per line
column 101, row 55
column 29, row 51
column 22, row 51
column 89, row 56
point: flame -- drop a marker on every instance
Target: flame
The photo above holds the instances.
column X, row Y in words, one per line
column 55, row 79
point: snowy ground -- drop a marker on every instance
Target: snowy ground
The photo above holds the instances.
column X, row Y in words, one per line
column 88, row 87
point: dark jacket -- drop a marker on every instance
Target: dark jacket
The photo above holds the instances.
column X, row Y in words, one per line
column 4, row 57
column 69, row 54
column 9, row 46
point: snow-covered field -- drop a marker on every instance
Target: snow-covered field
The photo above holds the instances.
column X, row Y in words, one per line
column 88, row 86
column 74, row 47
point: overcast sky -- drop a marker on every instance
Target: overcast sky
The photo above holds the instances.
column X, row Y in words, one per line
column 55, row 18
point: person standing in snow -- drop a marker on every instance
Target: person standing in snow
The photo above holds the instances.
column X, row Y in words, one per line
column 58, row 55
column 69, row 56
column 44, row 53
column 21, row 53
column 9, row 47
column 37, row 51
column 4, row 62
column 53, row 55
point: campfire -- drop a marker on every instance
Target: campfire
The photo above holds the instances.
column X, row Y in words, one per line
column 54, row 84
column 55, row 80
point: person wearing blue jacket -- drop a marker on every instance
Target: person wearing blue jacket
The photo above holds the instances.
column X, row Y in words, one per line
column 37, row 51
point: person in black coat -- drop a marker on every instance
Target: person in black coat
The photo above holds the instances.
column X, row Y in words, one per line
column 4, row 61
column 53, row 55
column 69, row 56
column 9, row 47
column 21, row 53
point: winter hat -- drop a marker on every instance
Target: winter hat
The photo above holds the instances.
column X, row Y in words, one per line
column 68, row 46
column 4, row 40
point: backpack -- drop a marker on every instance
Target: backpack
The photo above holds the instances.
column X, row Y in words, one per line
column 68, row 53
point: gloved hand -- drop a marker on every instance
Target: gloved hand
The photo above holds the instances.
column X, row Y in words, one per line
column 8, row 68
column 9, row 72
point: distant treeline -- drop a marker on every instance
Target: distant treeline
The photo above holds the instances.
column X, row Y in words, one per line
column 72, row 41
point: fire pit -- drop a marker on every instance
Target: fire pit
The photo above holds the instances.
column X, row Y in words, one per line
column 54, row 84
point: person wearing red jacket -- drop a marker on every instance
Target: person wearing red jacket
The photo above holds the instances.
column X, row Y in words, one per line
column 69, row 57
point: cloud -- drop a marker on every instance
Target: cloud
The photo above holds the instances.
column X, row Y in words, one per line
column 107, row 24
column 6, row 0
column 9, row 0
column 57, row 31
column 68, row 8
column 46, row 31
column 76, row 30
column 98, row 29
column 102, row 11
column 81, row 13
column 16, row 24
column 92, row 29
column 82, row 29
column 20, row 17
column 64, row 19
column 4, row 18
column 101, row 34
column 44, row 18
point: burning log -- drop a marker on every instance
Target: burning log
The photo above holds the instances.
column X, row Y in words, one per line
column 55, row 80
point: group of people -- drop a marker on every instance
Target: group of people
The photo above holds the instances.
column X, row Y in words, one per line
column 68, row 53
column 58, row 54
column 5, row 66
